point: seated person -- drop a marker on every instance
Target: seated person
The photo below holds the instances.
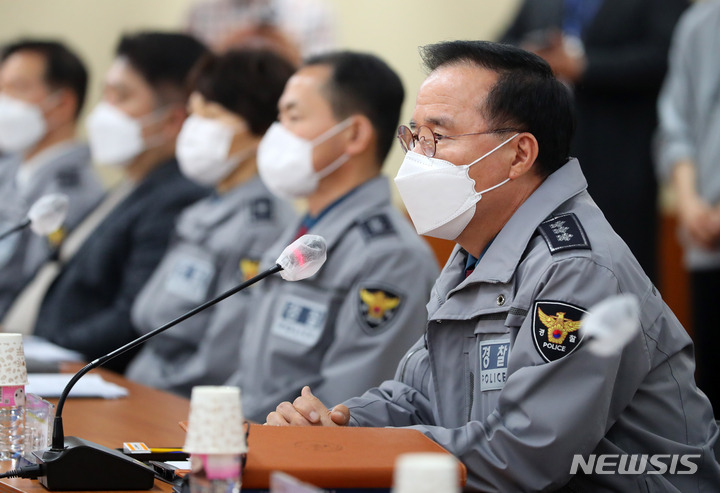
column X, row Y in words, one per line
column 42, row 91
column 346, row 327
column 218, row 241
column 87, row 307
column 502, row 378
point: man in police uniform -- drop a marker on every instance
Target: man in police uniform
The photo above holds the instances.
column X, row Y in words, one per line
column 345, row 328
column 502, row 378
column 42, row 90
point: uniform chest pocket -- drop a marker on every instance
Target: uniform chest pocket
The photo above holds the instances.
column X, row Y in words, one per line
column 302, row 314
column 190, row 275
column 488, row 357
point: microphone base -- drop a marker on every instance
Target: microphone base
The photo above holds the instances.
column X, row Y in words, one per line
column 87, row 466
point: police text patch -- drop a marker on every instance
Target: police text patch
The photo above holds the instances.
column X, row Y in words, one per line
column 564, row 232
column 300, row 320
column 376, row 307
column 493, row 364
column 556, row 328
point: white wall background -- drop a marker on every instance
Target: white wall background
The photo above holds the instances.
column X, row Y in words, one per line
column 391, row 29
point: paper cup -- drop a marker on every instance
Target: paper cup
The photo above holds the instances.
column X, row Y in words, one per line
column 426, row 472
column 13, row 371
column 215, row 425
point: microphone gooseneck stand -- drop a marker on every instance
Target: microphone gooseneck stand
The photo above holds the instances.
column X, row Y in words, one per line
column 72, row 463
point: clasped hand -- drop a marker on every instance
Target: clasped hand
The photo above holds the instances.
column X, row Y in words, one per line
column 308, row 410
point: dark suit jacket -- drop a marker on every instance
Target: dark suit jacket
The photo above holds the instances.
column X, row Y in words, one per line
column 626, row 46
column 87, row 308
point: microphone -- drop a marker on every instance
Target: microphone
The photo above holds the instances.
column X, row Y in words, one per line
column 611, row 324
column 44, row 217
column 74, row 464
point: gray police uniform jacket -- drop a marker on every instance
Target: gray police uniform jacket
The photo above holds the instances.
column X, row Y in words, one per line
column 218, row 244
column 502, row 381
column 344, row 329
column 67, row 171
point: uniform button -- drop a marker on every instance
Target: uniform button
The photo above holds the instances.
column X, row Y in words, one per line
column 501, row 300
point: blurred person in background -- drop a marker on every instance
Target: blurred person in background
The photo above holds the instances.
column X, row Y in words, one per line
column 42, row 91
column 688, row 156
column 218, row 242
column 307, row 24
column 613, row 53
column 347, row 326
column 134, row 127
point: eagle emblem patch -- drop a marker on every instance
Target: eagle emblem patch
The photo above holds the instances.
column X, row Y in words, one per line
column 377, row 307
column 249, row 268
column 556, row 328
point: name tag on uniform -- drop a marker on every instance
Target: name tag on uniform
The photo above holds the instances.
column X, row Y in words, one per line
column 190, row 278
column 493, row 364
column 300, row 320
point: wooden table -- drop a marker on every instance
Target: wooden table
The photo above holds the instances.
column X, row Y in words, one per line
column 146, row 415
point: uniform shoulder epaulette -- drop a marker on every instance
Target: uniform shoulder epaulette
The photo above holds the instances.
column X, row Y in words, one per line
column 68, row 178
column 564, row 232
column 261, row 209
column 376, row 226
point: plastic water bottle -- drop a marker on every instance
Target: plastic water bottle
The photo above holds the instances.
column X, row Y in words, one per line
column 12, row 421
column 215, row 473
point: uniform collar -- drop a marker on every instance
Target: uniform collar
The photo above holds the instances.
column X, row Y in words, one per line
column 52, row 159
column 215, row 209
column 501, row 259
column 353, row 206
column 358, row 204
column 309, row 221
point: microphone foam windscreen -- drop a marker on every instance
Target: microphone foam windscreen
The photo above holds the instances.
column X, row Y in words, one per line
column 303, row 257
column 48, row 213
column 611, row 324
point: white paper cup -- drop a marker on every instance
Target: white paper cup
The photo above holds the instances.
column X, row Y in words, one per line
column 216, row 421
column 13, row 371
column 426, row 472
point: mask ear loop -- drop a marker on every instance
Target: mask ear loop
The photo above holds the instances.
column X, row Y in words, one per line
column 493, row 150
column 329, row 133
column 479, row 195
column 332, row 131
column 151, row 118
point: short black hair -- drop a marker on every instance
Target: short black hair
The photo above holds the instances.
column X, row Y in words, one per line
column 362, row 83
column 63, row 68
column 248, row 82
column 526, row 96
column 164, row 60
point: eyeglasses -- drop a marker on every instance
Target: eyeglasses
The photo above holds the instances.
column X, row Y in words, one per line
column 428, row 139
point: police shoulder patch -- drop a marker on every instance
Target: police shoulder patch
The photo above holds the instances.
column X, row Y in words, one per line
column 556, row 328
column 564, row 232
column 261, row 209
column 376, row 226
column 377, row 306
column 68, row 178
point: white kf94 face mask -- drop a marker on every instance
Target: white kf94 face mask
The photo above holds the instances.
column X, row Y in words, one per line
column 116, row 138
column 203, row 148
column 22, row 124
column 285, row 161
column 440, row 197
